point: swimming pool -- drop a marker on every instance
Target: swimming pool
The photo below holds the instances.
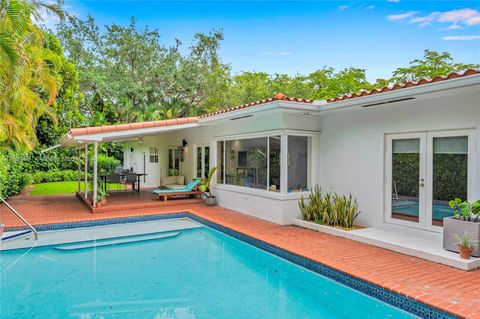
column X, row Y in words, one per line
column 197, row 273
column 410, row 207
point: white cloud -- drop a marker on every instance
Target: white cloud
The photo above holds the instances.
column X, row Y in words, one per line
column 343, row 7
column 456, row 18
column 401, row 16
column 461, row 37
column 370, row 7
column 285, row 53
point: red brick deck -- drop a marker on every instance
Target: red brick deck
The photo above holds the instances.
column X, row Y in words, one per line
column 443, row 287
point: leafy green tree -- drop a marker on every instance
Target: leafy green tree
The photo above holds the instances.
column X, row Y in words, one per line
column 66, row 105
column 433, row 64
column 128, row 75
column 29, row 84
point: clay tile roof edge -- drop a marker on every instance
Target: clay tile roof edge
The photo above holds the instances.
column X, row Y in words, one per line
column 406, row 85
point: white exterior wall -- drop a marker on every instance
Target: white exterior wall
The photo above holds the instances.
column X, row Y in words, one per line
column 348, row 155
column 352, row 149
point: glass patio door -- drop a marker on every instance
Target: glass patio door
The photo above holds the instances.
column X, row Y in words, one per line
column 406, row 173
column 423, row 172
column 202, row 161
column 450, row 172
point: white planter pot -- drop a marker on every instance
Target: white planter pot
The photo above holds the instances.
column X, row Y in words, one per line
column 453, row 226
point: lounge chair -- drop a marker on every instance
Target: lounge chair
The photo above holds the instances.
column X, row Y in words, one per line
column 189, row 189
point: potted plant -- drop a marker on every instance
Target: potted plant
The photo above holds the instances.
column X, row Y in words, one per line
column 101, row 198
column 204, row 186
column 465, row 244
column 466, row 219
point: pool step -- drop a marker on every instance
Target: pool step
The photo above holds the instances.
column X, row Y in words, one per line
column 118, row 241
column 14, row 235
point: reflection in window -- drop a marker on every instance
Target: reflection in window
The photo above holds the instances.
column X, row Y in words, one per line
column 246, row 162
column 274, row 163
column 297, row 160
column 450, row 174
column 199, row 162
column 207, row 160
column 255, row 163
column 174, row 157
column 221, row 164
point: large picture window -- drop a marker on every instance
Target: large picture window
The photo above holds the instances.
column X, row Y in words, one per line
column 297, row 163
column 256, row 163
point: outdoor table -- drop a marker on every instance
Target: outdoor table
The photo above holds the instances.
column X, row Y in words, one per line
column 104, row 179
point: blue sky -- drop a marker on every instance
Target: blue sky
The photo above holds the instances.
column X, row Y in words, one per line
column 300, row 37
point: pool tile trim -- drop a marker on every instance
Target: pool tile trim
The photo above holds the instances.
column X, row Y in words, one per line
column 392, row 298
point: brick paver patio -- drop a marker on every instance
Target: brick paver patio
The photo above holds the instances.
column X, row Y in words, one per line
column 449, row 289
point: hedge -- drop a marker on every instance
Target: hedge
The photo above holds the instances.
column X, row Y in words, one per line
column 13, row 178
column 447, row 170
column 56, row 176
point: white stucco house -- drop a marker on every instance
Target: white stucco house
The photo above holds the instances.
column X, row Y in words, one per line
column 401, row 151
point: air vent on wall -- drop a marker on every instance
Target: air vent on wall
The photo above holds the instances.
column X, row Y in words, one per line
column 389, row 102
column 240, row 117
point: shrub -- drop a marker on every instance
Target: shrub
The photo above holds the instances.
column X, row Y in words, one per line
column 107, row 164
column 12, row 177
column 54, row 176
column 330, row 209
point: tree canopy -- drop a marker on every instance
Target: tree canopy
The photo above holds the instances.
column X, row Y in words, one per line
column 86, row 74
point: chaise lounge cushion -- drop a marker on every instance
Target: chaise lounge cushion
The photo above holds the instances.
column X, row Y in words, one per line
column 173, row 182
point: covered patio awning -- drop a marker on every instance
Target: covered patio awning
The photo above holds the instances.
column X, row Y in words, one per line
column 86, row 136
column 77, row 137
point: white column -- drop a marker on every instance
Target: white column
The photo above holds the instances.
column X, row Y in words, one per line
column 79, row 170
column 284, row 164
column 95, row 151
column 85, row 187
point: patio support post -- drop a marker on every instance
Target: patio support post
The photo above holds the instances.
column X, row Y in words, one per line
column 86, row 172
column 79, row 178
column 95, row 151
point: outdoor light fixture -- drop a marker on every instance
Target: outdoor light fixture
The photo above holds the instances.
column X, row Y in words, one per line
column 184, row 143
column 141, row 141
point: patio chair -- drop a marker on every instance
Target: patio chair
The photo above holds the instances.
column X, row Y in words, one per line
column 130, row 178
column 114, row 178
column 190, row 189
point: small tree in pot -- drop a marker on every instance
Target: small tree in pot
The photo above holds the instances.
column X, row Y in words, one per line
column 210, row 199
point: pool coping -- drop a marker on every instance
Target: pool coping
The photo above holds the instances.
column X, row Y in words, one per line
column 389, row 296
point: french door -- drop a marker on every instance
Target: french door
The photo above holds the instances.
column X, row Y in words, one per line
column 202, row 161
column 423, row 172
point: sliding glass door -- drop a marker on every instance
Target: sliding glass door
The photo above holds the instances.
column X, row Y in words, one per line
column 423, row 172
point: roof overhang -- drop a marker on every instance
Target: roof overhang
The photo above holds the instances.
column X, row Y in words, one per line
column 403, row 94
column 284, row 106
column 82, row 140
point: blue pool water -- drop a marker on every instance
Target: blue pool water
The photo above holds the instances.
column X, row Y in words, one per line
column 201, row 273
column 410, row 207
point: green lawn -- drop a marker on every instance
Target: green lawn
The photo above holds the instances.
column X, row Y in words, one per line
column 56, row 188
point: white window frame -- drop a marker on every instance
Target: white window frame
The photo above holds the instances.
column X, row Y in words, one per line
column 195, row 160
column 311, row 170
column 173, row 149
column 426, row 171
column 155, row 155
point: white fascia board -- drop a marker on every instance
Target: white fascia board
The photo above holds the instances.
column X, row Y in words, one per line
column 123, row 135
column 403, row 93
column 264, row 107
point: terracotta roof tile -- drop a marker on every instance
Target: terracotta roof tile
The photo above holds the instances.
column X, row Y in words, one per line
column 406, row 85
column 130, row 126
column 277, row 97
